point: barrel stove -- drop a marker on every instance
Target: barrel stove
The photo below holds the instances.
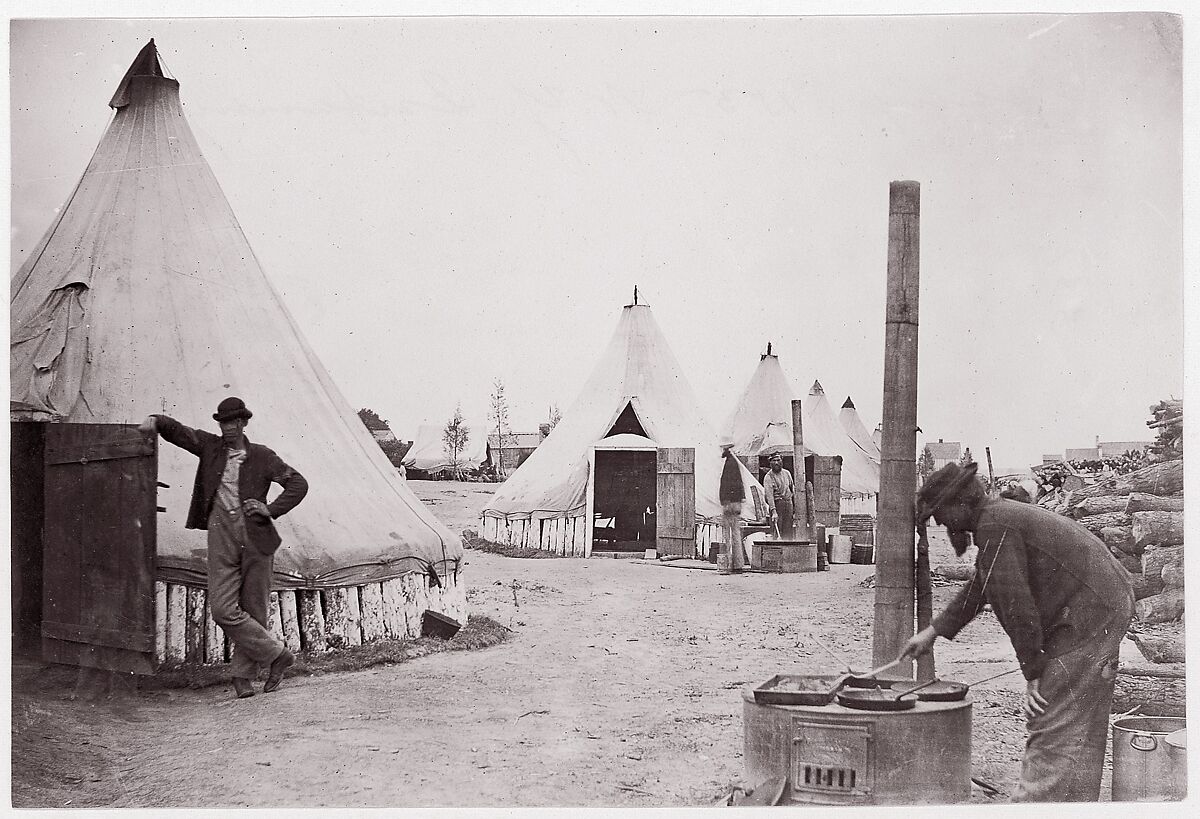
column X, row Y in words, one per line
column 834, row 755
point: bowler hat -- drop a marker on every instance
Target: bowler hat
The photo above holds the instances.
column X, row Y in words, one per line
column 232, row 407
column 942, row 487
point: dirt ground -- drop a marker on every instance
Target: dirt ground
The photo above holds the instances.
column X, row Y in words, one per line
column 621, row 687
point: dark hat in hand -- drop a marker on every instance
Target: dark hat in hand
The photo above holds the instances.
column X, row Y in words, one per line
column 943, row 487
column 232, row 407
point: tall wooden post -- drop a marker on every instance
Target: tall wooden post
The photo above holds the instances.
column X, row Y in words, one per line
column 894, row 581
column 800, row 500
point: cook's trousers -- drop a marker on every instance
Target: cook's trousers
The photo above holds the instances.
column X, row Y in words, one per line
column 785, row 514
column 239, row 592
column 731, row 529
column 1064, row 756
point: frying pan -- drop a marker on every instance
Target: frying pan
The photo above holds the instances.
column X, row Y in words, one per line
column 946, row 691
column 881, row 699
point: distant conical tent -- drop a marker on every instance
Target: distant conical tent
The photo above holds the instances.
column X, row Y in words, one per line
column 857, row 430
column 823, row 433
column 761, row 423
column 637, row 391
column 144, row 296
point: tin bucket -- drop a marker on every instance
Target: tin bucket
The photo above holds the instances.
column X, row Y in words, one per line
column 839, row 549
column 1177, row 750
column 1141, row 766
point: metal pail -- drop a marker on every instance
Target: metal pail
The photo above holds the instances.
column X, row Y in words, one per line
column 1177, row 750
column 1141, row 768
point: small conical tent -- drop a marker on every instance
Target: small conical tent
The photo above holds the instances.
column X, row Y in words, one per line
column 637, row 373
column 761, row 424
column 429, row 452
column 857, row 430
column 825, row 436
column 145, row 297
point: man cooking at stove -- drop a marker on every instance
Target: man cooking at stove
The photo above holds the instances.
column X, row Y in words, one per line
column 1065, row 604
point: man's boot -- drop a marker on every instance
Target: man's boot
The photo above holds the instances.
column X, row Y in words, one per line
column 242, row 688
column 275, row 675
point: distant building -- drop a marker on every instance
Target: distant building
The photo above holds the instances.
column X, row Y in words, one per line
column 1052, row 458
column 518, row 446
column 1113, row 449
column 944, row 452
column 1106, row 449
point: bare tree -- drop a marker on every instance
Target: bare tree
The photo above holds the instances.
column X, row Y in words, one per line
column 454, row 438
column 498, row 413
column 555, row 416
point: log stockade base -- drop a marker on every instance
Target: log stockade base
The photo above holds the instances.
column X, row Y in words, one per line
column 567, row 536
column 308, row 619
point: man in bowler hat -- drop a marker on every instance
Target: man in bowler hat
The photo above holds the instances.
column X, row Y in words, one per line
column 229, row 501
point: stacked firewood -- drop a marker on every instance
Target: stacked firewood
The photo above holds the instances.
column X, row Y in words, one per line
column 1139, row 516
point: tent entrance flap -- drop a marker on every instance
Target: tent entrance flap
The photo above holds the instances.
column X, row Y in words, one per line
column 625, row 500
column 98, row 602
column 676, row 501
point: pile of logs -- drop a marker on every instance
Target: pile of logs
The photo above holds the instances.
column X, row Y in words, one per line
column 1139, row 516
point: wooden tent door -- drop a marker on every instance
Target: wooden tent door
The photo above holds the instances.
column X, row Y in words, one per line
column 676, row 504
column 100, row 539
column 827, row 489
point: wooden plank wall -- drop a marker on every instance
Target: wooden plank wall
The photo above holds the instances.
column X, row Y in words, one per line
column 307, row 619
column 562, row 536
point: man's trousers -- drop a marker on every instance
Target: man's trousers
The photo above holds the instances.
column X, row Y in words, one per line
column 1064, row 756
column 239, row 592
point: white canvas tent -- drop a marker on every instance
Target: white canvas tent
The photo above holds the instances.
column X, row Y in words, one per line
column 761, row 425
column 638, row 392
column 850, row 421
column 429, row 452
column 144, row 296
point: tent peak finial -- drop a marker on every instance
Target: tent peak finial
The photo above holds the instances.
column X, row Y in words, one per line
column 848, row 404
column 767, row 354
column 144, row 64
column 635, row 294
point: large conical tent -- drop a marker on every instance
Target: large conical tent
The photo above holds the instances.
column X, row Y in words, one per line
column 145, row 297
column 637, row 371
column 857, row 430
column 761, row 424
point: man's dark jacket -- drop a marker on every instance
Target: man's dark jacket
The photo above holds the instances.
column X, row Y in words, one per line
column 258, row 470
column 1052, row 584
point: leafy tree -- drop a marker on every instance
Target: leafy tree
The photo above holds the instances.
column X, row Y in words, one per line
column 966, row 458
column 924, row 465
column 371, row 419
column 454, row 438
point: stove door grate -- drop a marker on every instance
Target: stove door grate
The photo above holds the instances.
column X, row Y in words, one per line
column 835, row 760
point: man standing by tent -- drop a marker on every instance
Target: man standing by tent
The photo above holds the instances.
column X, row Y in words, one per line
column 731, row 494
column 1065, row 603
column 229, row 500
column 780, row 488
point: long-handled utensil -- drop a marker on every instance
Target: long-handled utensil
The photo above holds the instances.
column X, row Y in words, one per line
column 840, row 659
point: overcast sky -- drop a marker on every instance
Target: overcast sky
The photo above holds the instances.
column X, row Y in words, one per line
column 447, row 201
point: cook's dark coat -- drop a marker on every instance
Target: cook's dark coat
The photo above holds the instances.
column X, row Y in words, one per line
column 1052, row 584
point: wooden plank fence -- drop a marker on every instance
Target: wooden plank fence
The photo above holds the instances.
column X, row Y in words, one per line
column 307, row 619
